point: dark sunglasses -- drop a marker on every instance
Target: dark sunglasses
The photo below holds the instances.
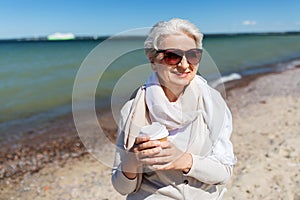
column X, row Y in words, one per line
column 174, row 56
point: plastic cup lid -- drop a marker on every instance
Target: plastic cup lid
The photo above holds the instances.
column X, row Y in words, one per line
column 155, row 131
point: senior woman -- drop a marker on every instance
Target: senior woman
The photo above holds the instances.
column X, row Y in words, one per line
column 198, row 154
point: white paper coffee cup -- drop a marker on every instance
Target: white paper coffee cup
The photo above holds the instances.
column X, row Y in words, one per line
column 156, row 131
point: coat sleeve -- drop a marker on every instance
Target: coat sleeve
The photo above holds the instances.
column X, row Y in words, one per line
column 209, row 170
column 120, row 182
column 216, row 168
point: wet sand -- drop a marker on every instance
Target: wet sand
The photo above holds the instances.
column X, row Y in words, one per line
column 50, row 162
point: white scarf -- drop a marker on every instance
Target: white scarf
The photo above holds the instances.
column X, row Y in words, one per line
column 173, row 116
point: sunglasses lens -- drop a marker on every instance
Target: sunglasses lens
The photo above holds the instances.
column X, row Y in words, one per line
column 193, row 56
column 173, row 57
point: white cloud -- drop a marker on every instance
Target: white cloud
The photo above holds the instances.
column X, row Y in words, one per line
column 249, row 23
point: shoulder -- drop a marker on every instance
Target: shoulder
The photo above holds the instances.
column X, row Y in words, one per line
column 202, row 84
column 124, row 113
column 200, row 79
column 206, row 89
column 126, row 108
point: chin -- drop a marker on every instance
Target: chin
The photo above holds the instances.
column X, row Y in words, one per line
column 180, row 83
column 183, row 81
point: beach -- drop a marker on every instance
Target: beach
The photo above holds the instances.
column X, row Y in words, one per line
column 50, row 162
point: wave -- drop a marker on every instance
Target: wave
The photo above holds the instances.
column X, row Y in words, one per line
column 224, row 79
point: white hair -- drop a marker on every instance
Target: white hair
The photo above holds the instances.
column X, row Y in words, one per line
column 172, row 27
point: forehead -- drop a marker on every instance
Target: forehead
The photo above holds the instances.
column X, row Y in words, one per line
column 178, row 41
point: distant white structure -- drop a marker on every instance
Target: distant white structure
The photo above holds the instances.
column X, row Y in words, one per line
column 224, row 79
column 61, row 36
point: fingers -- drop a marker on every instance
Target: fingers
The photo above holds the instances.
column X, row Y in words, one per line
column 156, row 160
column 145, row 147
column 168, row 158
column 154, row 152
column 140, row 140
column 148, row 153
column 167, row 166
column 149, row 144
column 166, row 145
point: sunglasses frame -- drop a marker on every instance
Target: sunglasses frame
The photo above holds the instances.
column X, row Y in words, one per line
column 180, row 53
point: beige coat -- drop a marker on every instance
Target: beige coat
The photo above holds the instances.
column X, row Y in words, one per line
column 200, row 183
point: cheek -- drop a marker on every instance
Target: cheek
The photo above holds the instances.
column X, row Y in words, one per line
column 154, row 67
column 159, row 68
column 195, row 68
column 163, row 74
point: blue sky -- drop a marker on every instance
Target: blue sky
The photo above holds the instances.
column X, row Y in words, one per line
column 30, row 18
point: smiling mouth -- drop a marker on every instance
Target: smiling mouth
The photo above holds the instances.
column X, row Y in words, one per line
column 181, row 73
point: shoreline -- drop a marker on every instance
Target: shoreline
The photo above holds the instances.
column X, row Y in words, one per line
column 56, row 143
column 277, row 66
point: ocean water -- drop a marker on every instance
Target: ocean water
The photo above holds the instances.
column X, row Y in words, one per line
column 38, row 76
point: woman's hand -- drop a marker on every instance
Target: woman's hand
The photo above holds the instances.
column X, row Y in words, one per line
column 170, row 158
column 143, row 147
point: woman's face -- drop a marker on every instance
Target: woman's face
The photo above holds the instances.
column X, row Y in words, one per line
column 175, row 77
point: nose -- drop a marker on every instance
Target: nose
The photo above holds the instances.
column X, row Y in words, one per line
column 183, row 63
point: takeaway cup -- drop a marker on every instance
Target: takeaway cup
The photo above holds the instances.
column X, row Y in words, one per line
column 156, row 131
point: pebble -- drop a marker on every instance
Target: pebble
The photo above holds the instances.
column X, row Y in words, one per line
column 32, row 159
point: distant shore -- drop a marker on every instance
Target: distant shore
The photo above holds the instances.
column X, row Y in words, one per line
column 103, row 37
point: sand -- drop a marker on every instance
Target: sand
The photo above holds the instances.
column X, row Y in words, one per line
column 266, row 139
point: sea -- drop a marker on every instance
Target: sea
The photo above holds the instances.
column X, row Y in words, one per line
column 37, row 77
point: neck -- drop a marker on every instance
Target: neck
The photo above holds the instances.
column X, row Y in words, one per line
column 173, row 94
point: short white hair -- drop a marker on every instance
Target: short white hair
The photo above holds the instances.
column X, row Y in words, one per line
column 174, row 26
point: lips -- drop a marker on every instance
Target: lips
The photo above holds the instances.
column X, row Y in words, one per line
column 181, row 74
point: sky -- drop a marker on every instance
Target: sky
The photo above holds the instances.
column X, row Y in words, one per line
column 36, row 18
